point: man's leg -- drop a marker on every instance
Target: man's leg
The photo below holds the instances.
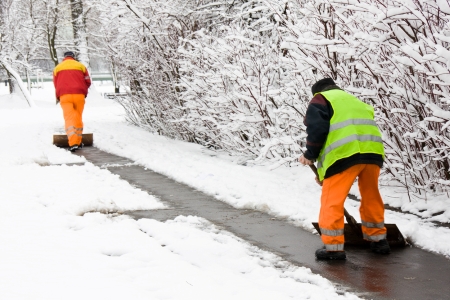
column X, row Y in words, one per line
column 372, row 210
column 331, row 219
column 69, row 113
column 72, row 106
column 78, row 101
column 372, row 206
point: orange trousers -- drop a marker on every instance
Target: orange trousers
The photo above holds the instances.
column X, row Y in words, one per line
column 334, row 192
column 72, row 106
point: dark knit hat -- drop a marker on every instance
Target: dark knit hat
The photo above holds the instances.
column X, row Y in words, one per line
column 321, row 85
column 69, row 53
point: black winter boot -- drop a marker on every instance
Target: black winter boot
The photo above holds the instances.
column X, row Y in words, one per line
column 323, row 254
column 74, row 148
column 381, row 247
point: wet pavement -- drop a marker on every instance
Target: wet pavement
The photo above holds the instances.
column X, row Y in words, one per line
column 407, row 273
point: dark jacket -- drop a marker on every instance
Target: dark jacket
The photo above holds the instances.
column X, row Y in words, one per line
column 317, row 122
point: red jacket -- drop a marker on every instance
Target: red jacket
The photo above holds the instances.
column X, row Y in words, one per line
column 71, row 77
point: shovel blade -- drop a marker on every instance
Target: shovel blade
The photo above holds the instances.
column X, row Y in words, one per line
column 61, row 140
column 353, row 236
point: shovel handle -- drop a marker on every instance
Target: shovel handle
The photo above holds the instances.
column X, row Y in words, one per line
column 314, row 169
column 348, row 217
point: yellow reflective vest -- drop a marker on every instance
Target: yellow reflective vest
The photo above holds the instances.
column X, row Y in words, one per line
column 352, row 130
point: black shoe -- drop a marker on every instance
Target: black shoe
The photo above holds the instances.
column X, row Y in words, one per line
column 74, row 148
column 381, row 247
column 80, row 146
column 323, row 254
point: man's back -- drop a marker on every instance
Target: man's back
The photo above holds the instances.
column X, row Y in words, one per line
column 71, row 77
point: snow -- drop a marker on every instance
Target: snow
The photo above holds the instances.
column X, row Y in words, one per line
column 20, row 83
column 62, row 234
column 444, row 6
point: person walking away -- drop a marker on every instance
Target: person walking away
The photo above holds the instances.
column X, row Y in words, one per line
column 72, row 81
column 344, row 139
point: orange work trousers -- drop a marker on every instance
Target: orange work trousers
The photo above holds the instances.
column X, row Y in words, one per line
column 72, row 106
column 334, row 192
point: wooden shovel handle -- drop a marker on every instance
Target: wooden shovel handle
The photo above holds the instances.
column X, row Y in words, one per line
column 314, row 169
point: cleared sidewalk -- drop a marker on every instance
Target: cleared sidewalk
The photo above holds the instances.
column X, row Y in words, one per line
column 408, row 273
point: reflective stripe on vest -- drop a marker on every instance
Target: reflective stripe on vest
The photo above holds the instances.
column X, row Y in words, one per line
column 352, row 130
column 355, row 137
column 352, row 122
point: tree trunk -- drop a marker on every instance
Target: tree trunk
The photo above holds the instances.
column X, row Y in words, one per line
column 51, row 46
column 115, row 79
column 11, row 84
column 28, row 81
column 79, row 31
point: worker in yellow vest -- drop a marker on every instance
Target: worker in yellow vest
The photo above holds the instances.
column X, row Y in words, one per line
column 344, row 139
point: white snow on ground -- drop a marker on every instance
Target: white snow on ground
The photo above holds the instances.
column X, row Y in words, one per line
column 62, row 235
column 57, row 242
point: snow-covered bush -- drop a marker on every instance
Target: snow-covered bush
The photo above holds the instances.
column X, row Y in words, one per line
column 401, row 55
column 236, row 75
column 238, row 93
column 142, row 39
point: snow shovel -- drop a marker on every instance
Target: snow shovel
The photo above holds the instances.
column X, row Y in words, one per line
column 61, row 140
column 353, row 232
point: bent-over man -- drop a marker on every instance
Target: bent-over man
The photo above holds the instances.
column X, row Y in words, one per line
column 344, row 139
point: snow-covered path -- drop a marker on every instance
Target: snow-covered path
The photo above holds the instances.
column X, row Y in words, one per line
column 57, row 243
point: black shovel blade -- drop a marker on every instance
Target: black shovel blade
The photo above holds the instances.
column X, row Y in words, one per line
column 354, row 236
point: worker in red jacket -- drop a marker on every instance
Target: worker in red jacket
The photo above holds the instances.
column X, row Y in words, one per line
column 72, row 81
